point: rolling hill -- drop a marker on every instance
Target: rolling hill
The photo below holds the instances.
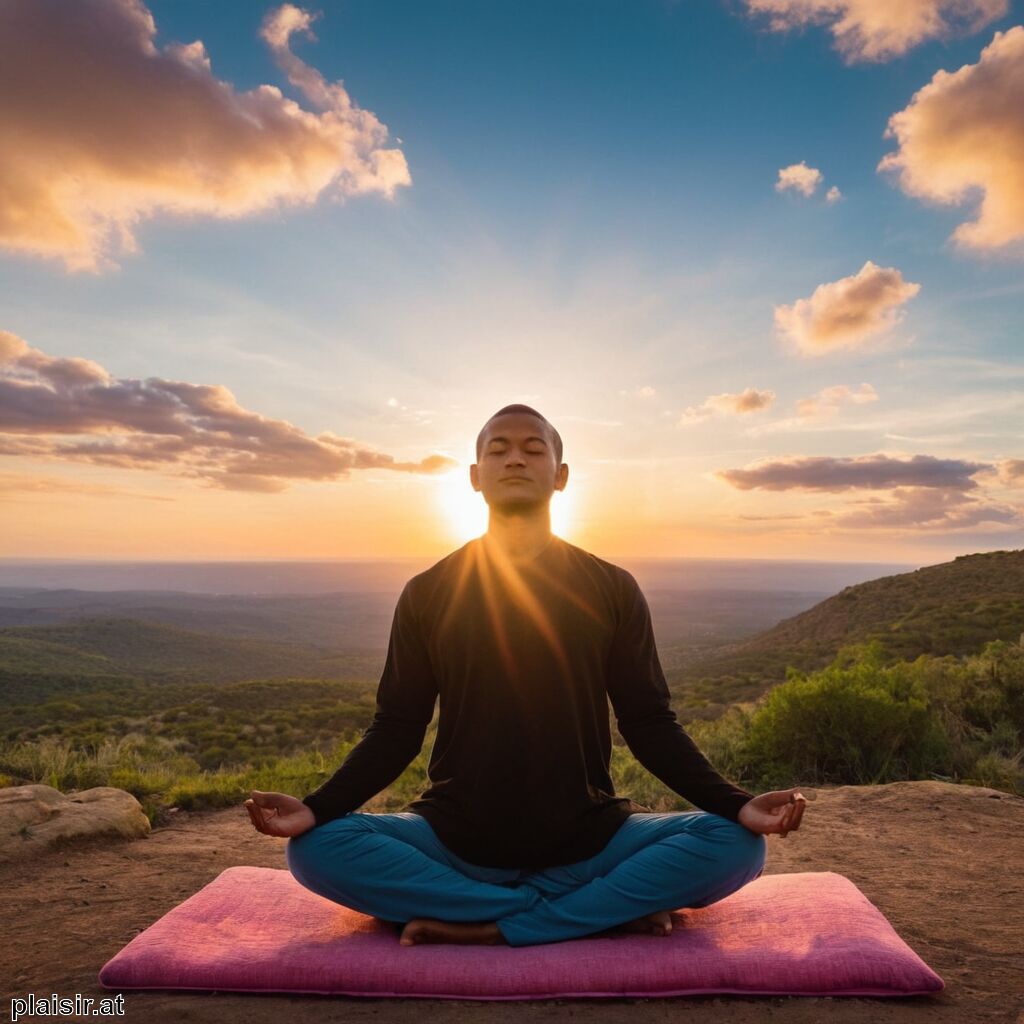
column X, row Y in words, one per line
column 951, row 608
column 134, row 647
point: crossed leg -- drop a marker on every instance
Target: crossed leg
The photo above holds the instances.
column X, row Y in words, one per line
column 394, row 867
column 654, row 861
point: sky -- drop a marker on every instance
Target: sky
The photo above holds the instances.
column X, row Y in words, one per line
column 266, row 269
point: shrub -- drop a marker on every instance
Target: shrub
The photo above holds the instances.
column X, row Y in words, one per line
column 856, row 722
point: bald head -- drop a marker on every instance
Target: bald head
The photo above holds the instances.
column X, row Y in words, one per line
column 556, row 440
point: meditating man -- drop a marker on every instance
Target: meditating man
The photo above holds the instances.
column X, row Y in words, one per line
column 520, row 838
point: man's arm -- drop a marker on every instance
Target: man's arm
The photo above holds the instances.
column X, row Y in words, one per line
column 405, row 706
column 640, row 699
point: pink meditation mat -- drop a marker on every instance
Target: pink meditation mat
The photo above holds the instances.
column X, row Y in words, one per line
column 257, row 930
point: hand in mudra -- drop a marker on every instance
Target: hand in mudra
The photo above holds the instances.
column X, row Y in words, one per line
column 777, row 812
column 278, row 814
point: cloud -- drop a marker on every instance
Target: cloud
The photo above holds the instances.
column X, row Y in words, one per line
column 922, row 492
column 833, row 195
column 843, row 473
column 798, row 177
column 52, row 407
column 878, row 30
column 962, row 134
column 728, row 404
column 1011, row 472
column 768, row 519
column 926, row 508
column 826, row 402
column 102, row 129
column 817, row 409
column 15, row 483
column 846, row 313
column 640, row 391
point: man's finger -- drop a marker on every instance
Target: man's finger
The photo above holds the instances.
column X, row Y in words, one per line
column 794, row 814
column 791, row 815
column 251, row 809
column 787, row 823
column 784, row 821
column 798, row 812
column 257, row 816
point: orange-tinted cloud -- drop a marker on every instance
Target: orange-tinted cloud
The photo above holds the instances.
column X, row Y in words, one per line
column 825, row 406
column 728, row 404
column 920, row 492
column 100, row 128
column 53, row 407
column 1011, row 472
column 843, row 473
column 846, row 313
column 925, row 508
column 798, row 178
column 16, row 484
column 876, row 30
column 826, row 402
column 963, row 133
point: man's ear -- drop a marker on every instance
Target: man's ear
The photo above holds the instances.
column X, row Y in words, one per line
column 562, row 477
column 474, row 477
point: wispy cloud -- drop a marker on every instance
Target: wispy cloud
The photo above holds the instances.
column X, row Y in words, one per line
column 846, row 313
column 842, row 473
column 1011, row 472
column 878, row 30
column 21, row 484
column 728, row 404
column 917, row 492
column 53, row 407
column 926, row 508
column 961, row 134
column 827, row 401
column 102, row 129
column 820, row 408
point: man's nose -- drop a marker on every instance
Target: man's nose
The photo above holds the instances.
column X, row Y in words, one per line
column 515, row 458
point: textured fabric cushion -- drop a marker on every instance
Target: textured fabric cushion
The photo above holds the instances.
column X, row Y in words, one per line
column 257, row 930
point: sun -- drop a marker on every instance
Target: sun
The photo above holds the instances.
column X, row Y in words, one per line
column 465, row 511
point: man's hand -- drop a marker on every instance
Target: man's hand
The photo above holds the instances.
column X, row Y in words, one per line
column 778, row 812
column 278, row 814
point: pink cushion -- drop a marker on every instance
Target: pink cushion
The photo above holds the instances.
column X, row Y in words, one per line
column 257, row 930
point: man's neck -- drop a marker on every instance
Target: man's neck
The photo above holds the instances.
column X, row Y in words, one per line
column 519, row 538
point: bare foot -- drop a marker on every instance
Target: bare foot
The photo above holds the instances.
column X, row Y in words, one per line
column 658, row 923
column 427, row 929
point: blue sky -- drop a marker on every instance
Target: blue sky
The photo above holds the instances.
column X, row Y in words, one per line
column 592, row 212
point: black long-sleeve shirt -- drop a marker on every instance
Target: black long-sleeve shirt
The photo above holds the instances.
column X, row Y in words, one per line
column 524, row 660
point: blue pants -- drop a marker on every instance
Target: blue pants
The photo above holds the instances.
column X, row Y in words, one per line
column 393, row 866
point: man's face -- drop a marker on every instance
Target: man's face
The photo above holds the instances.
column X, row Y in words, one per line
column 516, row 469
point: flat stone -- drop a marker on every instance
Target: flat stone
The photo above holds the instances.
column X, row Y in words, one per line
column 36, row 818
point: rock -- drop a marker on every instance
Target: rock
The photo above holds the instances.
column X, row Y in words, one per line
column 36, row 818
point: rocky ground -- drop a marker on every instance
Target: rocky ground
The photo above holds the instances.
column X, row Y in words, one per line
column 942, row 862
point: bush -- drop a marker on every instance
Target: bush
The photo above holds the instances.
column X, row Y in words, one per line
column 855, row 722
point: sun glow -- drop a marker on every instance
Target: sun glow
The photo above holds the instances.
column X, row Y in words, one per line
column 465, row 511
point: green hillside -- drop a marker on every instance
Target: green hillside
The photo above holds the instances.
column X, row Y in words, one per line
column 24, row 652
column 132, row 647
column 952, row 608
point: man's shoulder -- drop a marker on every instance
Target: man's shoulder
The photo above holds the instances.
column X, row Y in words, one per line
column 419, row 586
column 600, row 568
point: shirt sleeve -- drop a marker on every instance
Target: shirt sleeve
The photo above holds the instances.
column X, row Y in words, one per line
column 641, row 702
column 405, row 705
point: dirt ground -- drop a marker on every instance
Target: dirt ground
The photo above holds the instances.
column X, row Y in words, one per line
column 942, row 862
